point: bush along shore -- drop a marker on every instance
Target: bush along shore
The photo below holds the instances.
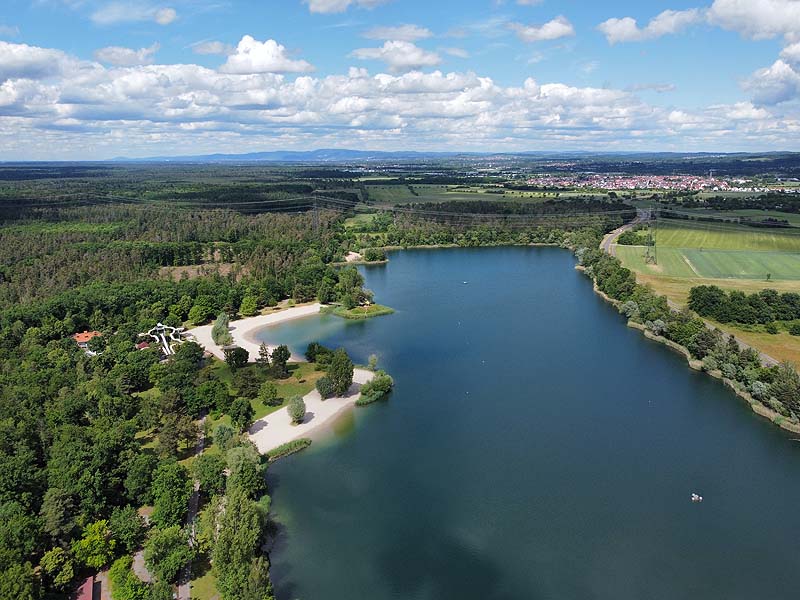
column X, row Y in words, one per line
column 771, row 391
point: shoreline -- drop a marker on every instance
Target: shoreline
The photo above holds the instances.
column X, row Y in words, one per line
column 276, row 428
column 244, row 331
column 757, row 407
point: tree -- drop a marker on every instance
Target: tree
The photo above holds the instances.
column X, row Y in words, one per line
column 59, row 567
column 171, row 491
column 125, row 585
column 236, row 544
column 785, row 387
column 213, row 395
column 200, row 313
column 139, row 478
column 127, row 527
column 263, row 356
column 236, row 358
column 281, row 356
column 19, row 582
column 325, row 387
column 242, row 413
column 247, row 382
column 96, row 547
column 297, row 409
column 249, row 306
column 224, row 436
column 58, row 515
column 258, row 585
column 373, row 362
column 341, row 372
column 209, row 470
column 220, row 330
column 268, row 394
column 166, row 552
column 246, row 470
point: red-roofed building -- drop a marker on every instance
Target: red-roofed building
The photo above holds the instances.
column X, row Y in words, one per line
column 85, row 591
column 82, row 339
column 142, row 345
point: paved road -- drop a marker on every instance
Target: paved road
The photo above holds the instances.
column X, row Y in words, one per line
column 184, row 585
column 609, row 241
column 608, row 245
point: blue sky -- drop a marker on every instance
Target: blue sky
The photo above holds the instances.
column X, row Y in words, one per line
column 102, row 78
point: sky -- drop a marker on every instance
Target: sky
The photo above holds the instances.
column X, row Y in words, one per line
column 97, row 79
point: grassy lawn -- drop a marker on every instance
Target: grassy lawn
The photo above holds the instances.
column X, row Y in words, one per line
column 362, row 312
column 287, row 388
column 204, row 584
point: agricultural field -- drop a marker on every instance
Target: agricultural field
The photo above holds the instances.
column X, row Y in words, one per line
column 731, row 257
column 714, row 264
column 406, row 194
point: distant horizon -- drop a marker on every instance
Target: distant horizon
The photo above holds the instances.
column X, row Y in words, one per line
column 231, row 157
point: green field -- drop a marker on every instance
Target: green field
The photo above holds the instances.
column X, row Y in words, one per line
column 714, row 264
column 717, row 236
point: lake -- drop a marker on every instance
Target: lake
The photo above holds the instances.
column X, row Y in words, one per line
column 534, row 448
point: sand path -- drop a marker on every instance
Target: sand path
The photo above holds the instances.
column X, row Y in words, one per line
column 244, row 331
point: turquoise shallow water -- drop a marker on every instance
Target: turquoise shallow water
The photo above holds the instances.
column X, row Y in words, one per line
column 534, row 448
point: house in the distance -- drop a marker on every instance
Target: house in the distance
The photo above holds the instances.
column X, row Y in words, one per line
column 82, row 339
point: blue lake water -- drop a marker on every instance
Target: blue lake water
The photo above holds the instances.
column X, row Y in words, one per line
column 534, row 448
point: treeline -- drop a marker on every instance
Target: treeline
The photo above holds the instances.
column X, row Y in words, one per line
column 777, row 201
column 764, row 307
column 778, row 387
column 125, row 243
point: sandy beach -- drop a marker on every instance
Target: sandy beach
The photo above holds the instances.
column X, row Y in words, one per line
column 244, row 330
column 276, row 429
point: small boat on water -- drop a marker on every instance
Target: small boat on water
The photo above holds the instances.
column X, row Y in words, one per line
column 696, row 498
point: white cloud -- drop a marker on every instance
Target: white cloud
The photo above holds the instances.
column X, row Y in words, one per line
column 668, row 22
column 54, row 106
column 337, row 6
column 405, row 33
column 455, row 51
column 399, row 56
column 8, row 31
column 213, row 47
column 775, row 84
column 20, row 61
column 165, row 16
column 791, row 54
column 131, row 12
column 127, row 57
column 252, row 56
column 757, row 19
column 552, row 30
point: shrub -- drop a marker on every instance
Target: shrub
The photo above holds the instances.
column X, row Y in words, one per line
column 771, row 328
column 759, row 389
column 795, row 329
column 288, row 448
column 325, row 387
column 125, row 585
column 729, row 371
column 297, row 409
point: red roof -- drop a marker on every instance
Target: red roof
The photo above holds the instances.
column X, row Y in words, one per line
column 86, row 590
column 142, row 345
column 83, row 338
